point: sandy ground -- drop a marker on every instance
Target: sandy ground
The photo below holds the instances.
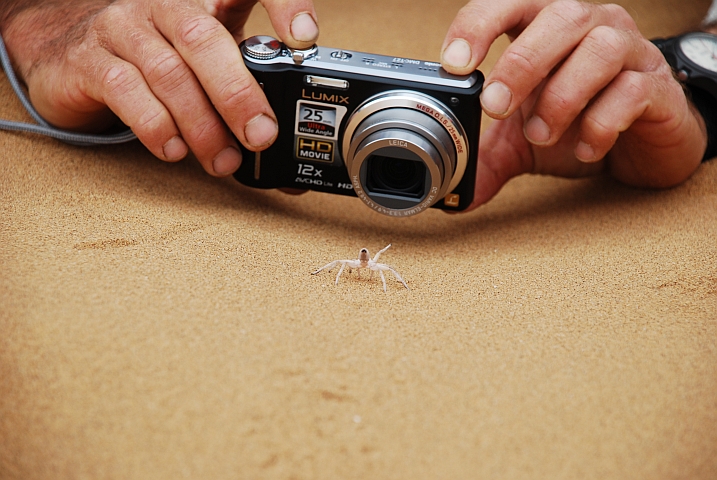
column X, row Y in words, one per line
column 158, row 323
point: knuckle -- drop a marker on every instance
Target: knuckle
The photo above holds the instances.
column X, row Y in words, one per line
column 620, row 16
column 522, row 58
column 632, row 85
column 118, row 80
column 111, row 15
column 658, row 63
column 600, row 131
column 606, row 45
column 205, row 131
column 149, row 123
column 113, row 21
column 631, row 90
column 574, row 13
column 561, row 103
column 198, row 33
column 236, row 93
column 166, row 70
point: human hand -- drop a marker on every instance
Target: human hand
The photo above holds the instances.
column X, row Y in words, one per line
column 170, row 70
column 578, row 92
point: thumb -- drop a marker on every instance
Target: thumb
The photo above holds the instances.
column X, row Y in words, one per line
column 294, row 21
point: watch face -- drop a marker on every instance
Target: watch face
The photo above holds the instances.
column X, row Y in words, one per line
column 701, row 49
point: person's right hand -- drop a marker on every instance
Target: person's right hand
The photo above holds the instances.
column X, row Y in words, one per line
column 579, row 92
column 169, row 69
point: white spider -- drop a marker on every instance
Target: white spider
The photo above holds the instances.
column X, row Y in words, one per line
column 364, row 261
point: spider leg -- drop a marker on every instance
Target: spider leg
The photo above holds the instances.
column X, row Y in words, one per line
column 375, row 257
column 339, row 274
column 328, row 266
column 383, row 279
column 398, row 277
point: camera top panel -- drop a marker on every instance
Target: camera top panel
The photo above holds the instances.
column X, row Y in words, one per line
column 269, row 51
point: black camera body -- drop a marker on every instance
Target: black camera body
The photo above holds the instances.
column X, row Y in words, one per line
column 400, row 134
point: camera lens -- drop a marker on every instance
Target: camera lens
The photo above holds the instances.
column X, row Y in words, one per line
column 404, row 152
column 396, row 176
column 397, row 168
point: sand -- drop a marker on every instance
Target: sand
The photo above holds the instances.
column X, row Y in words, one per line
column 159, row 323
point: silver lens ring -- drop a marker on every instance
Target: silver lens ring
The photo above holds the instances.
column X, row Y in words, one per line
column 404, row 119
column 406, row 99
column 413, row 188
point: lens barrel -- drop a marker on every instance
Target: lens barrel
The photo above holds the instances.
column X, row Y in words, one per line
column 404, row 152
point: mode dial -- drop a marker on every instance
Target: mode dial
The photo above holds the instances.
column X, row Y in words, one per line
column 262, row 47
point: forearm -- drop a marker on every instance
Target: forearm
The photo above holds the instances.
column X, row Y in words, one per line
column 38, row 31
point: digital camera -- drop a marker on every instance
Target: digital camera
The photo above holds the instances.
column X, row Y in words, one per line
column 400, row 134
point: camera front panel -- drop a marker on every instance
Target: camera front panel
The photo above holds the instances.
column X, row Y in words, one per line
column 314, row 104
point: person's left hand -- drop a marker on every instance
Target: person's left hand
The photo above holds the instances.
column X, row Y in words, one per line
column 168, row 69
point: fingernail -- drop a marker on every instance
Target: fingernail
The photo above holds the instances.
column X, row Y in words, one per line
column 537, row 131
column 458, row 54
column 175, row 149
column 227, row 162
column 303, row 28
column 496, row 98
column 585, row 153
column 260, row 131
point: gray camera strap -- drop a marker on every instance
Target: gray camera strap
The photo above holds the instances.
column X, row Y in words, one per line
column 44, row 128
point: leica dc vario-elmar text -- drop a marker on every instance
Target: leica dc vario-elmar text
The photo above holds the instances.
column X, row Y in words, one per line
column 400, row 134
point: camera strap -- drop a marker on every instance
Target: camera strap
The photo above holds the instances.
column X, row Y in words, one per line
column 44, row 128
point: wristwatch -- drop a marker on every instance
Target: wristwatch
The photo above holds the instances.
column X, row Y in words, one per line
column 693, row 57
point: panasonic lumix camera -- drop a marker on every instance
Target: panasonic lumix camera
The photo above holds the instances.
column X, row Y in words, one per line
column 400, row 134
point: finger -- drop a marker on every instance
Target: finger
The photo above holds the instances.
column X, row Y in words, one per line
column 659, row 120
column 212, row 54
column 175, row 85
column 599, row 58
column 503, row 154
column 294, row 21
column 66, row 104
column 121, row 86
column 478, row 24
column 632, row 96
column 541, row 47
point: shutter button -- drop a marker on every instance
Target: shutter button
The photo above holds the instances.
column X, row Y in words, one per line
column 300, row 55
